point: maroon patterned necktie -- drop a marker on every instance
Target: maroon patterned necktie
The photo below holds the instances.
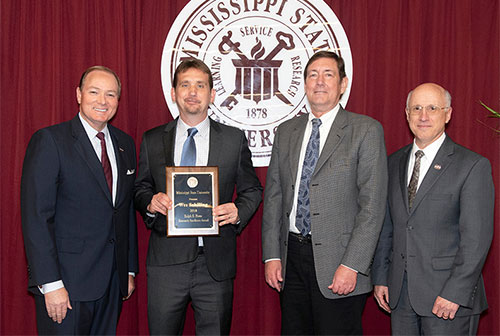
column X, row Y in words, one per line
column 106, row 166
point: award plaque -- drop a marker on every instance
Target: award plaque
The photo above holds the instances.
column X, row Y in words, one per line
column 194, row 192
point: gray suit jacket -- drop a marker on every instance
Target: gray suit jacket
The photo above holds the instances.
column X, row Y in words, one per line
column 348, row 195
column 229, row 151
column 444, row 239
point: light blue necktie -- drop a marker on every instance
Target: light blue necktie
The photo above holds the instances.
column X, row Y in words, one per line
column 188, row 157
column 303, row 218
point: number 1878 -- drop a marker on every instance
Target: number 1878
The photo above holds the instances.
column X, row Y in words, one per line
column 257, row 113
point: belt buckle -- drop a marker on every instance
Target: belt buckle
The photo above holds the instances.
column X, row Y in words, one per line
column 302, row 239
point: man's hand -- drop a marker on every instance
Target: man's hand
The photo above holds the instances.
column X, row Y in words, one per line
column 131, row 286
column 226, row 214
column 57, row 304
column 344, row 281
column 160, row 203
column 444, row 308
column 273, row 274
column 381, row 294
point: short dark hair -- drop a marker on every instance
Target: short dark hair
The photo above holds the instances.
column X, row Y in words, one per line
column 193, row 63
column 100, row 68
column 327, row 54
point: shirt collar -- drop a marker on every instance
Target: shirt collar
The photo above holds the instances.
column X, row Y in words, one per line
column 91, row 132
column 431, row 150
column 202, row 127
column 328, row 117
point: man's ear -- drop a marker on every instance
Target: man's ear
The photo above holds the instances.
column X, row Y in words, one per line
column 78, row 95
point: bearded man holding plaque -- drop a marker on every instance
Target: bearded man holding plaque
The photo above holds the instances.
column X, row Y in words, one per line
column 194, row 269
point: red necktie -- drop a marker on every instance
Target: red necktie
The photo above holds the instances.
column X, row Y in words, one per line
column 106, row 166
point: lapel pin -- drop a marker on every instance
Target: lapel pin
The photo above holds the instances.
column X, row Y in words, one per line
column 437, row 167
column 121, row 149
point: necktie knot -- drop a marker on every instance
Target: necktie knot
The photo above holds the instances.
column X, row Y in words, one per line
column 316, row 123
column 419, row 154
column 100, row 136
column 192, row 132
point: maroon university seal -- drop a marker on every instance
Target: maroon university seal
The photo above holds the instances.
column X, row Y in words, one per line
column 257, row 51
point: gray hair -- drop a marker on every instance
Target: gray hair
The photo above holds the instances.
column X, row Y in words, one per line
column 447, row 97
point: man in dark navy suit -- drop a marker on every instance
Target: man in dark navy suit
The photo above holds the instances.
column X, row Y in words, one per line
column 78, row 220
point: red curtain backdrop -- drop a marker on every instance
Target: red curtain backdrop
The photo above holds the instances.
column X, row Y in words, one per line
column 45, row 46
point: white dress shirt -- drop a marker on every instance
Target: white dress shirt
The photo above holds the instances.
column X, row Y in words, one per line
column 201, row 139
column 425, row 162
column 96, row 143
column 326, row 124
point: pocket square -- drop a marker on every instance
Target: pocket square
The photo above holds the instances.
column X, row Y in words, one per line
column 130, row 171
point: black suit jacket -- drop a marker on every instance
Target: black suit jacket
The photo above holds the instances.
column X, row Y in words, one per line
column 72, row 230
column 443, row 241
column 229, row 151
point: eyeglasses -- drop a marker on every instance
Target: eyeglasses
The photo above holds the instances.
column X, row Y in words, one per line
column 430, row 109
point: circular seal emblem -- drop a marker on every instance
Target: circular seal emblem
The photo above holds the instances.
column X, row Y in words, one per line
column 257, row 51
column 192, row 182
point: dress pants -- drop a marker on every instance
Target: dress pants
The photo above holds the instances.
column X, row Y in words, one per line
column 405, row 321
column 99, row 317
column 172, row 287
column 304, row 310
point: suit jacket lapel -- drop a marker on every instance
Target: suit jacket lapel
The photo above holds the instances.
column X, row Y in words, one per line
column 441, row 162
column 403, row 174
column 334, row 138
column 119, row 163
column 84, row 148
column 169, row 143
column 215, row 145
column 295, row 144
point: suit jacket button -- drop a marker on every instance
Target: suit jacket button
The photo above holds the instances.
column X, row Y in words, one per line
column 112, row 241
column 402, row 256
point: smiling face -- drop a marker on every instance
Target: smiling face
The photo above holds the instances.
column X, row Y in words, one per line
column 192, row 95
column 98, row 98
column 323, row 85
column 428, row 126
